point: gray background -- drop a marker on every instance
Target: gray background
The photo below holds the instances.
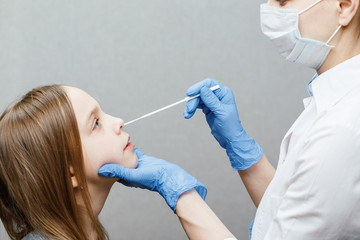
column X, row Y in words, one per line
column 135, row 56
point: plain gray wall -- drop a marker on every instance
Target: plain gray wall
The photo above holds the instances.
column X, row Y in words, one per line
column 135, row 56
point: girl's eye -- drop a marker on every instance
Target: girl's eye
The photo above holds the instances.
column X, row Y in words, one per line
column 96, row 124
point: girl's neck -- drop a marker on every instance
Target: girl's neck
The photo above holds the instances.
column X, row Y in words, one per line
column 98, row 195
column 90, row 229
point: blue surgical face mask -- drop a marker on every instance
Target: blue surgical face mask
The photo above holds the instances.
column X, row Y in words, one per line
column 281, row 26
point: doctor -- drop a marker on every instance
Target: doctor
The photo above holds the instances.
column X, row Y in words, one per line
column 315, row 191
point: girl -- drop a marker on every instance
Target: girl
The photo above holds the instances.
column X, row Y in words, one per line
column 52, row 143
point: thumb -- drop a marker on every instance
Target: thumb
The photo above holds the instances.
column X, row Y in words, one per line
column 138, row 153
column 210, row 99
column 114, row 171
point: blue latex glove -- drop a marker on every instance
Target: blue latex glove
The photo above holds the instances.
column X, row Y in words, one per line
column 158, row 175
column 222, row 116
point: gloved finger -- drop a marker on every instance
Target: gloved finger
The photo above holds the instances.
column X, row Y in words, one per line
column 195, row 89
column 114, row 171
column 201, row 104
column 210, row 99
column 126, row 176
column 206, row 110
column 221, row 92
column 191, row 107
column 187, row 114
column 225, row 95
column 138, row 153
column 131, row 184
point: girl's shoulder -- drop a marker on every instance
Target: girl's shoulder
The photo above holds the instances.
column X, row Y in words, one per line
column 35, row 236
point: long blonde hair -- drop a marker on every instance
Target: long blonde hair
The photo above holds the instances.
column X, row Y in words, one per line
column 39, row 142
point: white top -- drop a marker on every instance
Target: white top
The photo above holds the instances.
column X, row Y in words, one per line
column 315, row 193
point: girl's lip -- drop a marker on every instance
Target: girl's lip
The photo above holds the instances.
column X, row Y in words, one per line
column 129, row 146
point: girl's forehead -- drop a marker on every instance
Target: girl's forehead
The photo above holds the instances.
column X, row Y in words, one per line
column 77, row 95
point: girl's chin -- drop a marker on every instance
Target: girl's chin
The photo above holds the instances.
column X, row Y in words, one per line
column 130, row 164
column 130, row 161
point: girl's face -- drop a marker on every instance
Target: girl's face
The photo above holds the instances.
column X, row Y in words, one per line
column 102, row 136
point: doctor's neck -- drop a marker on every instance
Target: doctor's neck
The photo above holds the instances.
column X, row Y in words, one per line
column 347, row 45
column 346, row 48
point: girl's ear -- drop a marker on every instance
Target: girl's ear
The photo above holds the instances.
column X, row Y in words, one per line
column 347, row 10
column 74, row 180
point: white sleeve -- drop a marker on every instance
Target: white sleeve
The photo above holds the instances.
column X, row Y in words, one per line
column 323, row 198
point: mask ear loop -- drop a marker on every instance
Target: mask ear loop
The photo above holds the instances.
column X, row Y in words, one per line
column 310, row 7
column 332, row 36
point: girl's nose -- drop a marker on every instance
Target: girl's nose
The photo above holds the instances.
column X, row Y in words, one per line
column 119, row 125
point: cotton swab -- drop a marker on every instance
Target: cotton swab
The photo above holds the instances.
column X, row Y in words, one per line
column 169, row 106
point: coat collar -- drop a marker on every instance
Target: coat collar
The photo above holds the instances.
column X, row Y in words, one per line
column 331, row 86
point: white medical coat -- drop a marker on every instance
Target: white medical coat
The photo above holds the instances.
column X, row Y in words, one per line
column 315, row 193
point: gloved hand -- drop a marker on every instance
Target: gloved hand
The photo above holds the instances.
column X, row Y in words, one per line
column 222, row 116
column 154, row 174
